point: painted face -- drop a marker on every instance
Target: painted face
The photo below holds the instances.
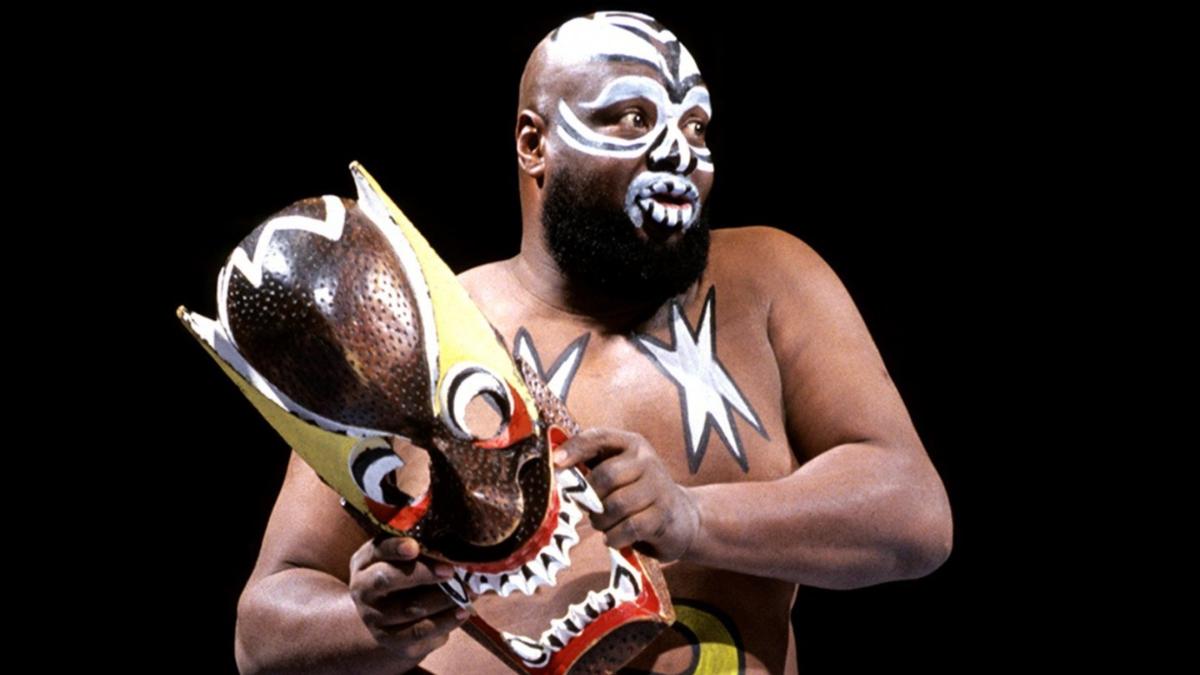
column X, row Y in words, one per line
column 644, row 103
column 359, row 346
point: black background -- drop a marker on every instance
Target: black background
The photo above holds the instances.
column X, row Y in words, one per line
column 899, row 148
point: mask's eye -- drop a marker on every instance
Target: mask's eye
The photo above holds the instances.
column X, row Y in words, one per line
column 476, row 404
column 386, row 477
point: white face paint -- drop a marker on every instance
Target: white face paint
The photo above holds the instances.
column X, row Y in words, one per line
column 665, row 194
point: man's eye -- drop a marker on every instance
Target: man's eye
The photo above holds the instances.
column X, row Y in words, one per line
column 697, row 127
column 634, row 118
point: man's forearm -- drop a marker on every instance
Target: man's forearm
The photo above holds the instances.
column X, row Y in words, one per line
column 304, row 621
column 856, row 515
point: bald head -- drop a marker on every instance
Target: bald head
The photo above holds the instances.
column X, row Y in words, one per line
column 562, row 61
column 614, row 102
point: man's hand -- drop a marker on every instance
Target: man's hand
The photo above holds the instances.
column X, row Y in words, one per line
column 642, row 504
column 397, row 599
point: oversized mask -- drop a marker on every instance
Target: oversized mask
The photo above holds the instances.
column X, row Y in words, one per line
column 357, row 343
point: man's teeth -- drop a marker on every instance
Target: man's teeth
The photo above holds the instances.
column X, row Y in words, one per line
column 669, row 213
column 660, row 212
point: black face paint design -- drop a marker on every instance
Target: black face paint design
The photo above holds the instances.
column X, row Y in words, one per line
column 707, row 393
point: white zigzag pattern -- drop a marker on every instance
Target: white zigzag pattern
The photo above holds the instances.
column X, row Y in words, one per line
column 251, row 266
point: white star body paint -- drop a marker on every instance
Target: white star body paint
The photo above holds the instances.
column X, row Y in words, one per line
column 707, row 393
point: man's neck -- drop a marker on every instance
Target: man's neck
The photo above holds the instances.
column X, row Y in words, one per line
column 537, row 273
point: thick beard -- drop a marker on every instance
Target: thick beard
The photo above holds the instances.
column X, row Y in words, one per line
column 598, row 249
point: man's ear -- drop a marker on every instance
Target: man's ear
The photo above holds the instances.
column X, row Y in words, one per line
column 531, row 144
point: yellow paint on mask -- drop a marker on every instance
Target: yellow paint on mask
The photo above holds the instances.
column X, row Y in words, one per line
column 462, row 331
column 327, row 452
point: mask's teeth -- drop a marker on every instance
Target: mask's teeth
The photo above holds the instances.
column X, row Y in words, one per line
column 595, row 604
column 660, row 187
column 487, row 582
column 456, row 589
column 576, row 488
column 513, row 581
column 559, row 634
column 532, row 653
column 557, row 556
column 610, row 600
column 624, row 582
column 678, row 189
column 535, row 572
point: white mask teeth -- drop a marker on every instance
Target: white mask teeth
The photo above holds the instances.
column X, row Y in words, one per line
column 622, row 587
column 532, row 653
column 575, row 488
column 660, row 188
column 456, row 588
column 624, row 580
column 678, row 189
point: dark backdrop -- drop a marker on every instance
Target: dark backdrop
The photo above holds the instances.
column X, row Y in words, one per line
column 888, row 143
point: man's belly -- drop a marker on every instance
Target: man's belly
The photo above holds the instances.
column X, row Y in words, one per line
column 724, row 621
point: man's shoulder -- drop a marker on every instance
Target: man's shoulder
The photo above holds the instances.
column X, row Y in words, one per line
column 481, row 279
column 763, row 256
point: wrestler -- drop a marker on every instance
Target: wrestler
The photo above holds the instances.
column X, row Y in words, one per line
column 738, row 419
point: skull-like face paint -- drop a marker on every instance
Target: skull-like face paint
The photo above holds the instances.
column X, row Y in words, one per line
column 659, row 115
column 358, row 344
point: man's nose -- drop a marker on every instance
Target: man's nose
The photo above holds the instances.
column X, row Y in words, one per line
column 670, row 152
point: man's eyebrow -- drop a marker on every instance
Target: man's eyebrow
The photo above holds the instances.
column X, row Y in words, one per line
column 676, row 91
column 626, row 87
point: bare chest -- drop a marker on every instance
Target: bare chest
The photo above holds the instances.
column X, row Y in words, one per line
column 702, row 386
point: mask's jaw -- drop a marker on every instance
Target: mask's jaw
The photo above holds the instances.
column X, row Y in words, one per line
column 597, row 626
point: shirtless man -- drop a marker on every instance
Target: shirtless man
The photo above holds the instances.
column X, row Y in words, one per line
column 739, row 420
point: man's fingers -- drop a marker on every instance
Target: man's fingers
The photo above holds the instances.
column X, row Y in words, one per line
column 396, row 549
column 615, row 473
column 407, row 606
column 643, row 526
column 624, row 502
column 591, row 444
column 384, row 577
column 416, row 639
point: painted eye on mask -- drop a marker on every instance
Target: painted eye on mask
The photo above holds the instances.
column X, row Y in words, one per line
column 477, row 403
column 374, row 467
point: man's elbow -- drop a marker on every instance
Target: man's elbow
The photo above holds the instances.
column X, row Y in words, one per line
column 930, row 542
column 247, row 658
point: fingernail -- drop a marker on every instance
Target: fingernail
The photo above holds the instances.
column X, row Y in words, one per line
column 560, row 456
column 461, row 613
column 409, row 548
column 443, row 571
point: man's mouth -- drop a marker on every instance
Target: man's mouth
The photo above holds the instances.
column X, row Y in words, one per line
column 665, row 199
column 542, row 569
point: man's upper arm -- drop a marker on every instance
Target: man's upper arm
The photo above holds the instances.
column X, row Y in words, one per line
column 308, row 527
column 836, row 388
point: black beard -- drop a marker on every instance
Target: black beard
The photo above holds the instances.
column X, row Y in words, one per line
column 598, row 249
